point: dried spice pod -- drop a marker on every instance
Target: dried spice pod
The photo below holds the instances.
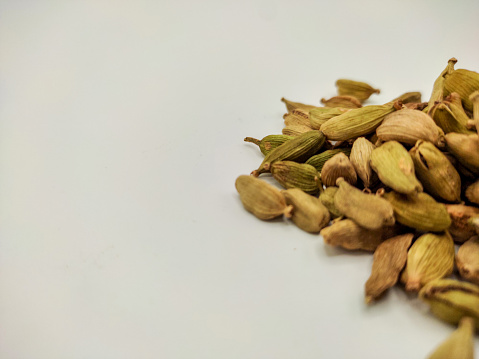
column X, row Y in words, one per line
column 461, row 230
column 472, row 192
column 320, row 115
column 261, row 199
column 342, row 102
column 438, row 88
column 327, row 199
column 294, row 119
column 291, row 106
column 421, row 212
column 297, row 149
column 446, row 119
column 268, row 143
column 454, row 103
column 367, row 210
column 451, row 300
column 465, row 148
column 464, row 82
column 430, row 257
column 408, row 126
column 291, row 174
column 460, row 344
column 467, row 260
column 409, row 97
column 309, row 213
column 360, row 90
column 436, row 173
column 360, row 158
column 389, row 260
column 357, row 122
column 295, row 130
column 395, row 168
column 318, row 161
column 338, row 166
column 349, row 235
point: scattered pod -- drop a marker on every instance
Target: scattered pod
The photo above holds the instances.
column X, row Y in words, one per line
column 357, row 122
column 291, row 106
column 291, row 174
column 367, row 210
column 460, row 214
column 342, row 102
column 389, row 260
column 451, row 300
column 338, row 166
column 349, row 235
column 430, row 257
column 360, row 158
column 421, row 212
column 460, row 344
column 308, row 213
column 408, row 126
column 268, row 143
column 301, row 147
column 467, row 260
column 436, row 173
column 395, row 168
column 360, row 90
column 261, row 199
column 318, row 161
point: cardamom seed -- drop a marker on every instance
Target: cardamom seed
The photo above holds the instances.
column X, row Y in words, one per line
column 430, row 257
column 261, row 199
column 389, row 260
column 309, row 213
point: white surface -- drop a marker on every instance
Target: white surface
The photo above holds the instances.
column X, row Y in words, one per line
column 121, row 135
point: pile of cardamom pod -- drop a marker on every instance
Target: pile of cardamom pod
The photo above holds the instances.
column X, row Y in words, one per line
column 399, row 180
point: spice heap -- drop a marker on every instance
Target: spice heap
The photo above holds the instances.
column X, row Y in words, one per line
column 400, row 180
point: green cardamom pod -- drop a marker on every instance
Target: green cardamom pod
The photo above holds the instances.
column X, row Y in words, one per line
column 291, row 174
column 268, row 143
column 327, row 199
column 464, row 82
column 360, row 90
column 318, row 161
column 291, row 106
column 465, row 148
column 342, row 102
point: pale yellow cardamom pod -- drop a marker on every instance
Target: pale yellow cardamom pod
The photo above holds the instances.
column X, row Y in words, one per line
column 451, row 300
column 360, row 158
column 291, row 106
column 460, row 345
column 465, row 148
column 261, row 199
column 430, row 257
column 293, row 119
column 360, row 90
column 308, row 213
column 467, row 260
column 327, row 199
column 342, row 102
column 389, row 260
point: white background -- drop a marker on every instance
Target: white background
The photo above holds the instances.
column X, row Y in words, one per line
column 121, row 136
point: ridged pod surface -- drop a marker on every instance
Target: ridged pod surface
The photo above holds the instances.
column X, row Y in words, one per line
column 360, row 158
column 360, row 90
column 318, row 161
column 291, row 174
column 268, row 143
column 464, row 82
column 465, row 148
column 467, row 260
column 338, row 166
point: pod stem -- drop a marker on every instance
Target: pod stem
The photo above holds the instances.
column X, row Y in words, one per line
column 252, row 140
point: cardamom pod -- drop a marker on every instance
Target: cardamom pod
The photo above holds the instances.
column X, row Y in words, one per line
column 438, row 88
column 295, row 130
column 436, row 173
column 357, row 122
column 467, row 260
column 360, row 90
column 296, row 118
column 298, row 149
column 408, row 126
column 446, row 119
column 342, row 102
column 389, row 260
column 309, row 213
column 464, row 82
column 395, row 168
column 360, row 158
column 430, row 257
column 291, row 106
column 421, row 212
column 461, row 230
column 268, row 143
column 454, row 103
column 472, row 192
column 451, row 300
column 327, row 199
column 465, row 148
column 460, row 345
column 349, row 235
column 367, row 210
column 338, row 166
column 261, row 199
column 291, row 174
column 409, row 97
column 318, row 161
